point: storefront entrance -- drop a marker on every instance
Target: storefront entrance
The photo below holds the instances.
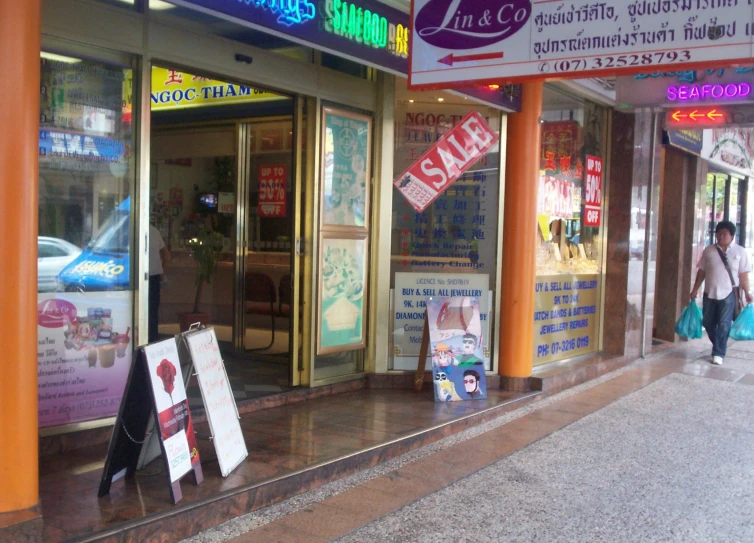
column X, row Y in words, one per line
column 223, row 201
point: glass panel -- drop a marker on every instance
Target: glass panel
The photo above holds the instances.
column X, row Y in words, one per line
column 569, row 218
column 454, row 241
column 86, row 176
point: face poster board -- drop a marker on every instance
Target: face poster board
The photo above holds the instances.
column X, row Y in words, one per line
column 154, row 386
column 219, row 403
column 456, row 345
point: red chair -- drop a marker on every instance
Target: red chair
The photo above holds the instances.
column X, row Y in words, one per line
column 261, row 290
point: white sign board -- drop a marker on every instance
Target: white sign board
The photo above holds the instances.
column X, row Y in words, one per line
column 456, row 43
column 172, row 405
column 219, row 403
column 410, row 302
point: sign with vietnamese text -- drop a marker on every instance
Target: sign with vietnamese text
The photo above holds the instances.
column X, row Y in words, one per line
column 218, row 400
column 272, row 196
column 442, row 164
column 566, row 316
column 410, row 301
column 459, row 42
column 593, row 191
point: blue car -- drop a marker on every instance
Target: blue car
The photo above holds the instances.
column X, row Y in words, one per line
column 104, row 263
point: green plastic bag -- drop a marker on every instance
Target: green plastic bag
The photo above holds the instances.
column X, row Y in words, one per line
column 690, row 323
column 743, row 328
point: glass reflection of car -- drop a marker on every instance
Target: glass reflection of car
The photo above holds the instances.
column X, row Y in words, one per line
column 53, row 254
column 104, row 263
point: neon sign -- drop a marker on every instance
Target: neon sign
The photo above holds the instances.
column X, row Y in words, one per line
column 696, row 117
column 291, row 12
column 363, row 26
column 729, row 91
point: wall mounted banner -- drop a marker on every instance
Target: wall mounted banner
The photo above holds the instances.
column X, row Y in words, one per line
column 593, row 191
column 458, row 362
column 460, row 42
column 441, row 165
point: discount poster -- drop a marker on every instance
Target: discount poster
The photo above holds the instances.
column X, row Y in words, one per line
column 458, row 362
column 173, row 414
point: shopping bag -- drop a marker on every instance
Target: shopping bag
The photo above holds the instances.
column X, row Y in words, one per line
column 743, row 328
column 690, row 323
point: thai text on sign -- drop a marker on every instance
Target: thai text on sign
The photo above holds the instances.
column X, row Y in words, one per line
column 441, row 165
column 272, row 196
column 593, row 191
column 454, row 44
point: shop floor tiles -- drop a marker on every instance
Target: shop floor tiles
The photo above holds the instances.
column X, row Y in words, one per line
column 292, row 449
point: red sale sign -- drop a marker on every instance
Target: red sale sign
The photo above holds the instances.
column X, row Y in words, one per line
column 593, row 191
column 446, row 161
column 272, row 196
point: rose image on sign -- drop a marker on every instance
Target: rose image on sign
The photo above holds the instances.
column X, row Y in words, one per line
column 166, row 372
column 463, row 24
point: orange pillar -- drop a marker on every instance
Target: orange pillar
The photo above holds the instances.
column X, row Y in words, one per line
column 520, row 235
column 20, row 34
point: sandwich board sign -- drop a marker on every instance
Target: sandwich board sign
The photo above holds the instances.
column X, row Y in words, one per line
column 217, row 395
column 154, row 387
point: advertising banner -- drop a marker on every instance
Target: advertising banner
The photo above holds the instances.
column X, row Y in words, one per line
column 458, row 42
column 173, row 413
column 457, row 359
column 566, row 316
column 343, row 276
column 556, row 197
column 84, row 354
column 593, row 192
column 272, row 196
column 441, row 165
column 731, row 148
column 410, row 302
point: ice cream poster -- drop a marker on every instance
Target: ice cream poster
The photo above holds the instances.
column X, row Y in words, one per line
column 455, row 335
column 174, row 417
column 342, row 282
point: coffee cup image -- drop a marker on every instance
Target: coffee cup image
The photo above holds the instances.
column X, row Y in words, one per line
column 121, row 343
column 91, row 357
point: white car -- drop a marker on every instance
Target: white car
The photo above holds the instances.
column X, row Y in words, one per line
column 53, row 255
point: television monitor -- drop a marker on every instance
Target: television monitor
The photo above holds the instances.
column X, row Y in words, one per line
column 208, row 202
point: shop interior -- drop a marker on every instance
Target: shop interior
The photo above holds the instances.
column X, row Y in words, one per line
column 220, row 187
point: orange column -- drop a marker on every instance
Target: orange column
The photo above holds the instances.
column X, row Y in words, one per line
column 20, row 33
column 520, row 235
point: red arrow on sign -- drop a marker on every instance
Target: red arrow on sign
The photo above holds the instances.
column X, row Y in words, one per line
column 450, row 59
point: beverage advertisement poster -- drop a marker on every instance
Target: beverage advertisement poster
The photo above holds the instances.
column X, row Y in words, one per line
column 173, row 414
column 343, row 270
column 347, row 141
column 272, row 197
column 83, row 355
column 455, row 335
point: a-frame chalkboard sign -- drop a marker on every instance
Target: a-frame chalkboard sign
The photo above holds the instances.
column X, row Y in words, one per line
column 154, row 386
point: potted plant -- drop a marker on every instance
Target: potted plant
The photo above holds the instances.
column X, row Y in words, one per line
column 205, row 248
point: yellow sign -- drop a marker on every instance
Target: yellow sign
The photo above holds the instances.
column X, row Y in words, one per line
column 566, row 316
column 172, row 89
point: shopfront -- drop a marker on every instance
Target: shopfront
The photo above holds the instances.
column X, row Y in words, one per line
column 247, row 148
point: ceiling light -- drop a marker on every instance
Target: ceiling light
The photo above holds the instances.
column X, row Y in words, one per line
column 411, row 100
column 59, row 58
column 493, row 87
column 441, row 99
column 156, row 5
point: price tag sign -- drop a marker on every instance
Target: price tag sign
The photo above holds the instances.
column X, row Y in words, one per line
column 593, row 191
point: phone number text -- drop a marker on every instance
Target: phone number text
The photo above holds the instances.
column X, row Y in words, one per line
column 615, row 61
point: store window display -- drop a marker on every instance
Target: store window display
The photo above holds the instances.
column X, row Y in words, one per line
column 569, row 223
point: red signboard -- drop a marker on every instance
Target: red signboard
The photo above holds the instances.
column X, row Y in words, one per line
column 593, row 191
column 696, row 116
column 272, row 195
column 442, row 164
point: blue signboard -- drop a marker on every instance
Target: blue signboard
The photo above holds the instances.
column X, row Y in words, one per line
column 364, row 31
column 688, row 140
column 55, row 143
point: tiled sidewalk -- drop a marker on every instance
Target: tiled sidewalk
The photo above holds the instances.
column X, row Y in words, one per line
column 342, row 510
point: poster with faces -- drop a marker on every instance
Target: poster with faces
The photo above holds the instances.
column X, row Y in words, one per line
column 455, row 335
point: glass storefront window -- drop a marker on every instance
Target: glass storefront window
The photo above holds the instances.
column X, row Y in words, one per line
column 569, row 223
column 455, row 239
column 86, row 176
